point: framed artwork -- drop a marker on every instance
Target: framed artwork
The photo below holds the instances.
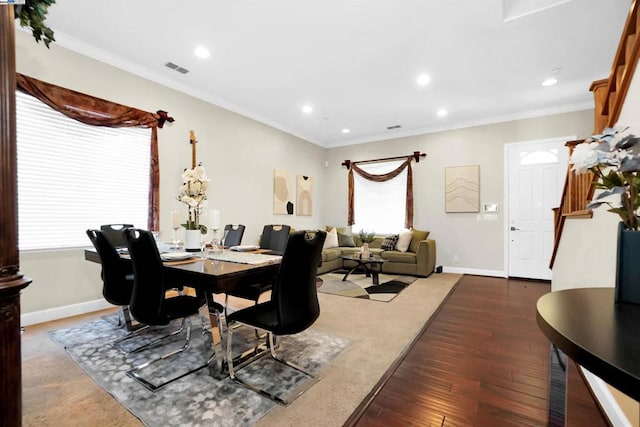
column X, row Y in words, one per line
column 283, row 192
column 304, row 195
column 462, row 189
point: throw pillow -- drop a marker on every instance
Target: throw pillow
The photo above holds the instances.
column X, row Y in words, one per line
column 340, row 230
column 389, row 242
column 332, row 239
column 346, row 240
column 416, row 237
column 404, row 240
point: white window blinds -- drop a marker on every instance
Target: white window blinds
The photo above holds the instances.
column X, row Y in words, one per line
column 380, row 206
column 73, row 176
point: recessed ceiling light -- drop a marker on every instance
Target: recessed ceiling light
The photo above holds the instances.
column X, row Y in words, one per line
column 202, row 52
column 307, row 109
column 345, row 130
column 550, row 82
column 423, row 79
column 442, row 112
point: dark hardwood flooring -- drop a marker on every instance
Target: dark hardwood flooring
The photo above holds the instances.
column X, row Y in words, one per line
column 482, row 361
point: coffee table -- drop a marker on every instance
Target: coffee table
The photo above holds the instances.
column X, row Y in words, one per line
column 372, row 266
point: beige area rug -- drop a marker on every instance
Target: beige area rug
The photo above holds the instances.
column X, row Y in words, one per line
column 358, row 285
column 56, row 392
column 353, row 374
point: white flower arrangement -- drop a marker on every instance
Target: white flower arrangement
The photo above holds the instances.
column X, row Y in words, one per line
column 615, row 162
column 193, row 193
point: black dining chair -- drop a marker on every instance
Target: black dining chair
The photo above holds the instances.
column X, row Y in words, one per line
column 117, row 278
column 293, row 307
column 150, row 305
column 234, row 233
column 274, row 237
column 114, row 234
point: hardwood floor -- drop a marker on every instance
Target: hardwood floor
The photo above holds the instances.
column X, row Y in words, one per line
column 482, row 361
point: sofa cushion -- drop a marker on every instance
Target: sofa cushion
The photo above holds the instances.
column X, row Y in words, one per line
column 389, row 242
column 404, row 240
column 331, row 254
column 346, row 240
column 331, row 240
column 376, row 243
column 401, row 257
column 346, row 251
column 340, row 230
column 416, row 237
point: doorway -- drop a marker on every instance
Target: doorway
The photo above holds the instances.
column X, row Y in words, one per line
column 534, row 177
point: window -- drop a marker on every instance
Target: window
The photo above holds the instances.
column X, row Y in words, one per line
column 539, row 157
column 73, row 176
column 380, row 206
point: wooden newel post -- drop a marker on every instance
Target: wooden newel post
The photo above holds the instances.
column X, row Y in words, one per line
column 11, row 280
column 193, row 142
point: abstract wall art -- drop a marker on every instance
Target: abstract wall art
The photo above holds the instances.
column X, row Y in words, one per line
column 462, row 189
column 304, row 195
column 283, row 192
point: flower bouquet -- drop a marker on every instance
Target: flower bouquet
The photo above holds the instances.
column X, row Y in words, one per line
column 193, row 193
column 615, row 161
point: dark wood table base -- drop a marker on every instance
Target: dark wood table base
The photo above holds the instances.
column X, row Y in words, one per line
column 372, row 268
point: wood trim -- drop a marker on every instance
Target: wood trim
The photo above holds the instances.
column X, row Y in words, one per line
column 586, row 213
column 11, row 281
column 623, row 68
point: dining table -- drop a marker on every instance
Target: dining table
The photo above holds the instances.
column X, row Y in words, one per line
column 209, row 276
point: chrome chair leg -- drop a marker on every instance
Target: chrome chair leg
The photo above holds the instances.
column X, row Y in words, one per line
column 118, row 323
column 134, row 372
column 124, row 320
column 293, row 395
column 117, row 343
column 226, row 303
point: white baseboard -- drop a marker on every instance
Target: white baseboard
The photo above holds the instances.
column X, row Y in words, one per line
column 475, row 272
column 49, row 314
column 608, row 403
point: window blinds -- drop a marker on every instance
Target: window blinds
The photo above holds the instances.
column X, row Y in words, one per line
column 73, row 176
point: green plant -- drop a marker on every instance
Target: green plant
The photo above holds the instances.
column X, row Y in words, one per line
column 615, row 162
column 32, row 14
column 367, row 236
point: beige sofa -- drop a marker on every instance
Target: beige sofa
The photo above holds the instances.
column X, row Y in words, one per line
column 418, row 260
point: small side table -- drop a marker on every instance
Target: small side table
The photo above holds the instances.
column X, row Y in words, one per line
column 372, row 266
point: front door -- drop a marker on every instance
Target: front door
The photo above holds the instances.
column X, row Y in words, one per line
column 536, row 174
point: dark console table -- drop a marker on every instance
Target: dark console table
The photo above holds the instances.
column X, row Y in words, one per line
column 596, row 333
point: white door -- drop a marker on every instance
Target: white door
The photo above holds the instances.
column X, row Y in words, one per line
column 536, row 174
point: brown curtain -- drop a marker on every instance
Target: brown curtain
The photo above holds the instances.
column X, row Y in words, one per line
column 100, row 112
column 408, row 220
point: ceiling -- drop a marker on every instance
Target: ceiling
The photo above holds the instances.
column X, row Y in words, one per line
column 355, row 62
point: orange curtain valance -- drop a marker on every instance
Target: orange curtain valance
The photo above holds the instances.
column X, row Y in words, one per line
column 100, row 112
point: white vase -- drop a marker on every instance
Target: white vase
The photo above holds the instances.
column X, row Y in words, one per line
column 192, row 240
column 364, row 250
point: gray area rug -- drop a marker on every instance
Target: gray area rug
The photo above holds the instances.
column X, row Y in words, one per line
column 358, row 285
column 196, row 399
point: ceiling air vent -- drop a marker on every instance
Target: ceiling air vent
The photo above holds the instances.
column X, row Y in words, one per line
column 176, row 67
column 392, row 127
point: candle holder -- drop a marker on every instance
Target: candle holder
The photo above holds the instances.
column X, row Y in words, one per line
column 215, row 243
column 174, row 238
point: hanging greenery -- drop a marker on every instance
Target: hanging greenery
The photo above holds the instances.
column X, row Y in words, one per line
column 32, row 14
